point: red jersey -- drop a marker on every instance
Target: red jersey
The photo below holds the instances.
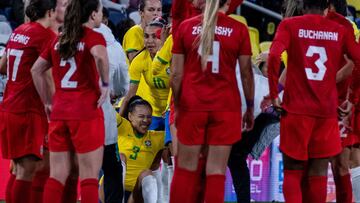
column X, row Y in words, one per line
column 343, row 86
column 76, row 80
column 24, row 47
column 316, row 48
column 214, row 89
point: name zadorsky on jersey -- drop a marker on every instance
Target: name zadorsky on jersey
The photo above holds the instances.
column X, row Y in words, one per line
column 219, row 30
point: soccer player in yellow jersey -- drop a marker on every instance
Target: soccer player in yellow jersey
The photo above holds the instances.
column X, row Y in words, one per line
column 154, row 89
column 140, row 147
column 133, row 41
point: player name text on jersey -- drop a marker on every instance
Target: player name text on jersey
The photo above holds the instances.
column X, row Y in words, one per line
column 219, row 30
column 318, row 35
column 19, row 38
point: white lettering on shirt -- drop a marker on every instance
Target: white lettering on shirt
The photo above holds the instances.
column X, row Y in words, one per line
column 19, row 38
column 318, row 35
column 219, row 30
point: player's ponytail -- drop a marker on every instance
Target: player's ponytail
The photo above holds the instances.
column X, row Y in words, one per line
column 77, row 13
column 37, row 9
column 208, row 30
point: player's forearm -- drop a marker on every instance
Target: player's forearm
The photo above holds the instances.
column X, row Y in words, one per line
column 177, row 76
column 42, row 80
column 345, row 71
column 273, row 74
column 247, row 79
column 3, row 62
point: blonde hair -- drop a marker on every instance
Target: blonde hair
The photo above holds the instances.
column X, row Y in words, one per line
column 208, row 30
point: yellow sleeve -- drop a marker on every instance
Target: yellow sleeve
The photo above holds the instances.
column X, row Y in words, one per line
column 133, row 39
column 163, row 57
column 356, row 31
column 136, row 68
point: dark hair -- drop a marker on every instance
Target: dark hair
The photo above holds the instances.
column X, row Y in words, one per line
column 122, row 27
column 37, row 8
column 77, row 13
column 315, row 4
column 134, row 102
column 222, row 3
column 105, row 12
column 340, row 6
column 292, row 8
column 158, row 22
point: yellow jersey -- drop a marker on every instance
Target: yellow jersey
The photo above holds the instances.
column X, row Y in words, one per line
column 133, row 39
column 153, row 88
column 162, row 61
column 140, row 150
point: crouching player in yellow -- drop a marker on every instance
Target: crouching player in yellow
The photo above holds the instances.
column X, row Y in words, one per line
column 141, row 147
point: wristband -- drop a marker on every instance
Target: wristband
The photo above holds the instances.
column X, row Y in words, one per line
column 280, row 87
column 250, row 103
column 104, row 84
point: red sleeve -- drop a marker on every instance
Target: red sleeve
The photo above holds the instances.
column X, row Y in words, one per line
column 46, row 53
column 178, row 46
column 245, row 46
column 95, row 39
column 178, row 11
column 278, row 46
column 233, row 5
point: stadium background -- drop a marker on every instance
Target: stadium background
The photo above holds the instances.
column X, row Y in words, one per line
column 266, row 173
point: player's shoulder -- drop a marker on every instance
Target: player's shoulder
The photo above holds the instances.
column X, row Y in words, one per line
column 141, row 57
column 136, row 29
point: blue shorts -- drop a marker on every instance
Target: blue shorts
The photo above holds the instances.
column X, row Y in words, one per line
column 168, row 137
column 157, row 123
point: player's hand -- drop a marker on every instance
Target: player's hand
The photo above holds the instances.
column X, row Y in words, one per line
column 265, row 103
column 248, row 119
column 165, row 32
column 105, row 91
column 345, row 109
column 48, row 110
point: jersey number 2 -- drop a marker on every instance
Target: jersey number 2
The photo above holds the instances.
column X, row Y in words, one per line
column 320, row 63
column 65, row 82
column 214, row 58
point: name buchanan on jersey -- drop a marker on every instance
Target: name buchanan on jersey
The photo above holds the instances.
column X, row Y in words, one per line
column 318, row 35
column 219, row 30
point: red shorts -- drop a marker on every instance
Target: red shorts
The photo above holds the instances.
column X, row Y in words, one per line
column 22, row 134
column 303, row 137
column 82, row 136
column 347, row 138
column 213, row 128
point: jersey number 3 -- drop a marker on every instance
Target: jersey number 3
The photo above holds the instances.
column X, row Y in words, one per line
column 214, row 58
column 320, row 63
column 65, row 82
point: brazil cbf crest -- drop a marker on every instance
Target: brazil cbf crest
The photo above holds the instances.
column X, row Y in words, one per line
column 147, row 143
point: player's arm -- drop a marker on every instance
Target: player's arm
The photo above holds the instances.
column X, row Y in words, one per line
column 177, row 76
column 278, row 46
column 3, row 62
column 43, row 80
column 100, row 55
column 131, row 54
column 345, row 71
column 132, row 92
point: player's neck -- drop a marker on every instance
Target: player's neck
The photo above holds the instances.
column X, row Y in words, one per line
column 44, row 22
column 314, row 11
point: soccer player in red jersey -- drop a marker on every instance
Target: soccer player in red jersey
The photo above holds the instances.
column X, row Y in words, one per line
column 203, row 82
column 23, row 119
column 309, row 126
column 76, row 121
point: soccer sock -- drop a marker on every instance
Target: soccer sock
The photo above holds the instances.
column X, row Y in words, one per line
column 157, row 175
column 21, row 191
column 164, row 179
column 53, row 191
column 200, row 180
column 9, row 186
column 89, row 190
column 183, row 186
column 149, row 189
column 355, row 177
column 343, row 189
column 215, row 188
column 317, row 189
column 38, row 184
column 70, row 190
column 292, row 186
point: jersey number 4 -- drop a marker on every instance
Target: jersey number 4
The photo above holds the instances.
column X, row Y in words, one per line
column 214, row 58
column 65, row 82
column 320, row 63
